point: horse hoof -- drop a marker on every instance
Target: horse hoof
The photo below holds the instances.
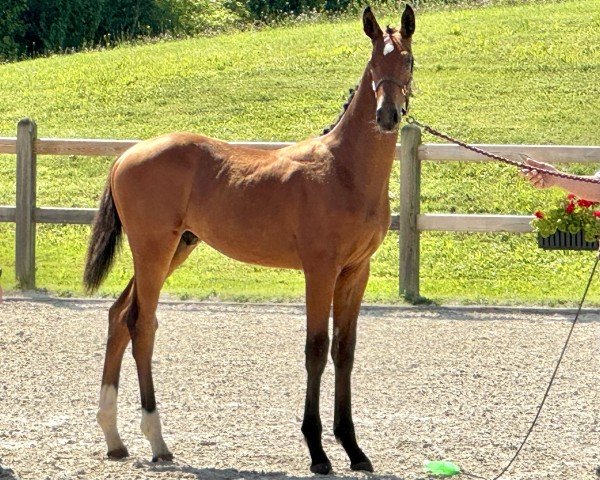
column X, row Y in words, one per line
column 163, row 457
column 118, row 453
column 365, row 466
column 321, row 468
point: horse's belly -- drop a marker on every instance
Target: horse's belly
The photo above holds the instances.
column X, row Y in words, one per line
column 264, row 248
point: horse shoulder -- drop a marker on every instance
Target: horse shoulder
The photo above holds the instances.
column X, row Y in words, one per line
column 312, row 159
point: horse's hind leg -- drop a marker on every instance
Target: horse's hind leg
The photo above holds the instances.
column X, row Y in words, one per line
column 118, row 339
column 153, row 262
column 349, row 290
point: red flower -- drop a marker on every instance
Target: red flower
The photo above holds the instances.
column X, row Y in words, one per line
column 571, row 196
column 570, row 208
column 584, row 203
column 539, row 214
column 596, row 213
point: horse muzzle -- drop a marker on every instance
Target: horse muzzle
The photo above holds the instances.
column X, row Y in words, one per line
column 388, row 117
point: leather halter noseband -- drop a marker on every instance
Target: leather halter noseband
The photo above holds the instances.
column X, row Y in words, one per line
column 404, row 88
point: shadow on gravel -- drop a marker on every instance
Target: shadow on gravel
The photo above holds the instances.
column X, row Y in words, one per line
column 430, row 310
column 7, row 473
column 233, row 474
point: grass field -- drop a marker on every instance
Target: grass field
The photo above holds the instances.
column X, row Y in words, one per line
column 511, row 74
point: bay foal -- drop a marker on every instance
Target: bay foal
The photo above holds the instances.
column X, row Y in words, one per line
column 320, row 205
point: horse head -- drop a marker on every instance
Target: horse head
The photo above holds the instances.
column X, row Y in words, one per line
column 391, row 67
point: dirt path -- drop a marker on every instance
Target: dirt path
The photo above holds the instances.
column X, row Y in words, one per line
column 456, row 384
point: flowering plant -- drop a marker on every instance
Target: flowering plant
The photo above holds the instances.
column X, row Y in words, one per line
column 569, row 215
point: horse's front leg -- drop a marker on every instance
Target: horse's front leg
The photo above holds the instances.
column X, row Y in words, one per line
column 319, row 293
column 349, row 290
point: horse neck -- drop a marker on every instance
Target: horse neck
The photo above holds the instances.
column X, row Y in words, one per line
column 358, row 146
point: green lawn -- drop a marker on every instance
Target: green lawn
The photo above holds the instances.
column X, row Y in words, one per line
column 511, row 74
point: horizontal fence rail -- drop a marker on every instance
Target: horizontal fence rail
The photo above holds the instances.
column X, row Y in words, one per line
column 432, row 222
column 409, row 222
column 426, row 152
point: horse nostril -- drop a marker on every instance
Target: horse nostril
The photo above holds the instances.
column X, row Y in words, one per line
column 388, row 117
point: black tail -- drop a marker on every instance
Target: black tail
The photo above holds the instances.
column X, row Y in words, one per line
column 105, row 240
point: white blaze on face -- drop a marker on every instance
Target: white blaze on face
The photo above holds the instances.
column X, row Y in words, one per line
column 389, row 46
column 107, row 417
column 152, row 430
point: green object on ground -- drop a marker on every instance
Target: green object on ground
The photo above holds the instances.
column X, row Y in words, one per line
column 446, row 469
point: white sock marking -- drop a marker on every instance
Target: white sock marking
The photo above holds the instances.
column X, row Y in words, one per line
column 152, row 430
column 107, row 417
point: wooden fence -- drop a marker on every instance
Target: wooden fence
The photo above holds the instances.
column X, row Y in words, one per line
column 409, row 221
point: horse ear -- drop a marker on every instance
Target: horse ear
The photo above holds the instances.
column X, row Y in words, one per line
column 370, row 25
column 407, row 25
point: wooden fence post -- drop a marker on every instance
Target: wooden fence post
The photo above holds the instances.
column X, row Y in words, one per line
column 25, row 206
column 410, row 207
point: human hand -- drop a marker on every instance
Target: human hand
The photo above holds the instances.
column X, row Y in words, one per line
column 536, row 178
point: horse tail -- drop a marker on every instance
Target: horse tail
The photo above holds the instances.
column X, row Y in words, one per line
column 104, row 242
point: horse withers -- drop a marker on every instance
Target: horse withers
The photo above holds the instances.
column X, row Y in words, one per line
column 320, row 205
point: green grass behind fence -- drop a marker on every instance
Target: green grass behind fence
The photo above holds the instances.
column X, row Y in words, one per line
column 510, row 74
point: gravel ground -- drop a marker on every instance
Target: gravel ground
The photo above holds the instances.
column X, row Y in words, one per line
column 429, row 383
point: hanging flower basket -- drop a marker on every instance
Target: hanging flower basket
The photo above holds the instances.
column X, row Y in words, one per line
column 566, row 241
column 571, row 224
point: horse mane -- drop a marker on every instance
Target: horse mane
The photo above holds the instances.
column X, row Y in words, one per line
column 351, row 94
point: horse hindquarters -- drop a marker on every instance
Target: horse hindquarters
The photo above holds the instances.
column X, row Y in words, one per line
column 152, row 223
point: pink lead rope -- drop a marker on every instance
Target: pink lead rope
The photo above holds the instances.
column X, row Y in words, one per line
column 515, row 163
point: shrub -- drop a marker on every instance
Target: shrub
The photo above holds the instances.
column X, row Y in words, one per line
column 191, row 17
column 265, row 9
column 42, row 26
column 12, row 28
column 127, row 19
column 56, row 25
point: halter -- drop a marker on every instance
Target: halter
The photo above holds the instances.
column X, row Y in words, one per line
column 404, row 88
